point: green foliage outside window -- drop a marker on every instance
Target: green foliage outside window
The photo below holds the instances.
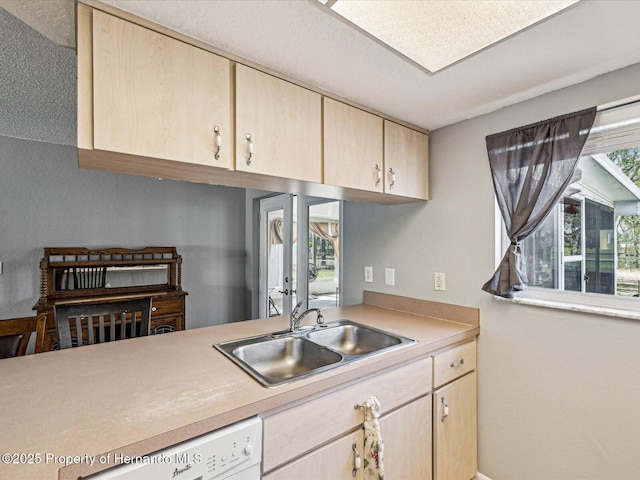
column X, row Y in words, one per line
column 628, row 225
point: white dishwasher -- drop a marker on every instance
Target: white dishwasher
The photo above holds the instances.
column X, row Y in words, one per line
column 230, row 453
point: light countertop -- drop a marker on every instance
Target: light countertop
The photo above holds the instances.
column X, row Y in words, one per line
column 138, row 396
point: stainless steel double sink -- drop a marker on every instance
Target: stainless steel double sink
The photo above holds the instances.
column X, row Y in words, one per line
column 279, row 358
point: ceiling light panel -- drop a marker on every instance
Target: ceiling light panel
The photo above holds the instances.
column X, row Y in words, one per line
column 438, row 33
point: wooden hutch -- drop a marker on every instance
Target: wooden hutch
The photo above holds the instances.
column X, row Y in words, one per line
column 81, row 275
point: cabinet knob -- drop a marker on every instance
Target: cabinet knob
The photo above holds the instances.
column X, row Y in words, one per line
column 457, row 364
column 153, row 309
column 218, row 142
column 250, row 148
column 392, row 177
column 378, row 175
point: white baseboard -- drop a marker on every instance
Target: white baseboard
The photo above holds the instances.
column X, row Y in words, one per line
column 479, row 476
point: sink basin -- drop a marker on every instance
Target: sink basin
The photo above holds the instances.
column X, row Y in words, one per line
column 276, row 361
column 352, row 339
column 284, row 356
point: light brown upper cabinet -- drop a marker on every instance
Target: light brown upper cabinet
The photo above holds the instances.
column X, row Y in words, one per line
column 352, row 147
column 155, row 96
column 406, row 161
column 278, row 127
column 165, row 105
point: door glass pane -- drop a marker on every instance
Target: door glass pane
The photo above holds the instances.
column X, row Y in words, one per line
column 573, row 276
column 572, row 227
column 324, row 255
column 276, row 243
column 540, row 253
column 275, row 262
column 294, row 253
column 599, row 246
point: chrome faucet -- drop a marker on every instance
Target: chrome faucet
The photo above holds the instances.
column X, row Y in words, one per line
column 296, row 317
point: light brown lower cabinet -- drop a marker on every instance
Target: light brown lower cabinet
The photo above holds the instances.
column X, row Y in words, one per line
column 407, row 441
column 406, row 433
column 301, row 439
column 428, row 423
column 455, row 430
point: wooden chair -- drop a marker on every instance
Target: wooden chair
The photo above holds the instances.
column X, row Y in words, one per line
column 102, row 322
column 16, row 332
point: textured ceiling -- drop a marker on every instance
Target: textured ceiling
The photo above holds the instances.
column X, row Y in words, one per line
column 301, row 39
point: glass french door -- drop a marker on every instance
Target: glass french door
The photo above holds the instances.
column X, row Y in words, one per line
column 277, row 290
column 319, row 278
column 299, row 253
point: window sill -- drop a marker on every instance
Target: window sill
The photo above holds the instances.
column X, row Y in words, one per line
column 621, row 307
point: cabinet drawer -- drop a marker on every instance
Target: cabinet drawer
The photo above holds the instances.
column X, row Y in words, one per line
column 453, row 363
column 166, row 307
column 299, row 429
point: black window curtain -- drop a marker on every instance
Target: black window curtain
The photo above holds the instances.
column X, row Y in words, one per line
column 531, row 167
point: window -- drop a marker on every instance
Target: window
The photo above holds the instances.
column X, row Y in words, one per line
column 590, row 242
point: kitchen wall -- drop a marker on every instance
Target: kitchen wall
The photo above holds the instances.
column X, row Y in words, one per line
column 46, row 200
column 558, row 390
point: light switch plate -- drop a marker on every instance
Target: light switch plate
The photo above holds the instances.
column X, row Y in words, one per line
column 389, row 276
column 438, row 281
column 368, row 274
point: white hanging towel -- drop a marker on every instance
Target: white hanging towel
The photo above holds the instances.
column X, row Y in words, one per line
column 373, row 445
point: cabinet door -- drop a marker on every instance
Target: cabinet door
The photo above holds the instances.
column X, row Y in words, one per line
column 406, row 161
column 155, row 96
column 407, row 441
column 352, row 147
column 334, row 461
column 283, row 121
column 455, row 430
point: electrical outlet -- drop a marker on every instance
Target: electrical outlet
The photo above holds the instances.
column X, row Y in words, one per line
column 389, row 276
column 368, row 274
column 438, row 281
